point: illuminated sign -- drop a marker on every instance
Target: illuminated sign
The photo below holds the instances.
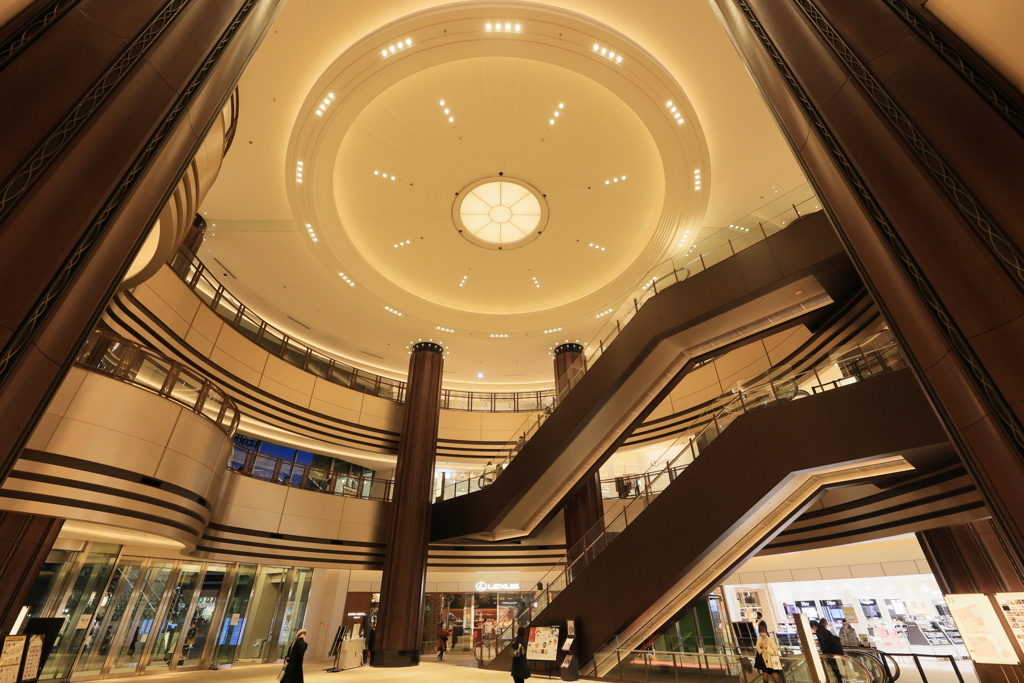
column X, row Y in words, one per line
column 484, row 586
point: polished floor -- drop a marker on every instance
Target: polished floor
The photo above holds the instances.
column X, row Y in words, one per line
column 430, row 671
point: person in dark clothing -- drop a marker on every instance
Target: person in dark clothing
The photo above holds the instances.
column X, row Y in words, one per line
column 520, row 667
column 371, row 636
column 293, row 662
column 829, row 645
column 442, row 640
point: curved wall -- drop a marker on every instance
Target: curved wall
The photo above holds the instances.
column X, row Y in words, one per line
column 112, row 453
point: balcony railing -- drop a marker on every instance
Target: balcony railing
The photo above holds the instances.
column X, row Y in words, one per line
column 192, row 271
column 288, row 473
column 128, row 361
column 722, row 244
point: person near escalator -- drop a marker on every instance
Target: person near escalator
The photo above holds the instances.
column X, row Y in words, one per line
column 848, row 635
column 829, row 645
column 293, row 661
column 520, row 667
column 767, row 660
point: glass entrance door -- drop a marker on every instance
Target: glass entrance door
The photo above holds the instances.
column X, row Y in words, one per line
column 168, row 641
column 107, row 620
column 135, row 637
column 198, row 631
column 263, row 618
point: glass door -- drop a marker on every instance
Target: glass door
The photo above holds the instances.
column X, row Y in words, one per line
column 180, row 602
column 197, row 633
column 267, row 598
column 107, row 619
column 294, row 612
column 78, row 608
column 232, row 623
column 140, row 623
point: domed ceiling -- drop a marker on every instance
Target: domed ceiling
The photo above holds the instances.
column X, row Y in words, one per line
column 338, row 213
column 501, row 109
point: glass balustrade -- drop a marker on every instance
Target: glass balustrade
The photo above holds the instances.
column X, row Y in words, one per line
column 854, row 363
column 127, row 361
column 289, row 473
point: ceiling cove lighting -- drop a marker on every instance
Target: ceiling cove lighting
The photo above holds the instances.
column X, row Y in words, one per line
column 322, row 107
column 603, row 313
column 402, row 244
column 554, row 329
column 309, row 229
column 596, row 246
column 298, row 171
column 499, row 335
column 396, row 48
column 696, row 179
column 345, row 278
column 464, row 278
column 674, row 111
column 445, row 329
column 388, row 308
column 504, row 27
column 535, row 282
column 610, row 54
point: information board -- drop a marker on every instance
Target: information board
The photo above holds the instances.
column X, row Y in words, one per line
column 10, row 658
column 543, row 643
column 1012, row 606
column 981, row 629
column 33, row 656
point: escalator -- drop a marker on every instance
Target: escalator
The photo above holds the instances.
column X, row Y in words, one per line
column 767, row 463
column 769, row 285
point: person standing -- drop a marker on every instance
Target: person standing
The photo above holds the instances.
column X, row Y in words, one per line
column 293, row 661
column 848, row 635
column 442, row 641
column 829, row 645
column 520, row 667
column 767, row 660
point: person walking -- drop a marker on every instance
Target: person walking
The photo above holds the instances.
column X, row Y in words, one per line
column 829, row 645
column 767, row 660
column 293, row 661
column 520, row 667
column 442, row 641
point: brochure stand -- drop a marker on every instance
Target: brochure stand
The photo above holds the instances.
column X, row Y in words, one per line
column 569, row 660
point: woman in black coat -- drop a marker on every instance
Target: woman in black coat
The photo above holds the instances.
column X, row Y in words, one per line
column 520, row 669
column 293, row 662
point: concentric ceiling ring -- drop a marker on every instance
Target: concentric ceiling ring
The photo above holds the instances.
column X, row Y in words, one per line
column 500, row 213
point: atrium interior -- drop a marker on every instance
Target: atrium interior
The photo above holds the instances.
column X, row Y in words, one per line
column 668, row 342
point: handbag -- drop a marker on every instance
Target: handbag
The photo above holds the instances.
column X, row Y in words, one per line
column 518, row 650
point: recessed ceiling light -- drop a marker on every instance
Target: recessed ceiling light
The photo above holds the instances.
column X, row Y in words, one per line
column 488, row 27
column 300, row 163
column 669, row 103
column 596, row 47
column 384, row 53
column 451, row 119
column 552, row 122
column 442, row 103
column 561, row 106
column 446, row 111
column 445, row 329
column 408, row 42
column 480, row 375
column 517, row 27
column 556, row 113
column 392, row 48
column 392, row 310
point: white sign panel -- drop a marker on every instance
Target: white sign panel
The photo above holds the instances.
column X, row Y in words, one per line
column 981, row 629
column 543, row 643
column 1012, row 606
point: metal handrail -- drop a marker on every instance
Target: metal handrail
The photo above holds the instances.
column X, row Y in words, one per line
column 250, row 463
column 213, row 294
column 862, row 364
column 668, row 663
column 749, row 230
column 128, row 361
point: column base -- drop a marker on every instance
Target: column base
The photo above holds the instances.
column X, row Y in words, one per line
column 394, row 658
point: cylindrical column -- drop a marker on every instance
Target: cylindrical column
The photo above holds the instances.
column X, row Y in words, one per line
column 569, row 363
column 400, row 618
column 583, row 507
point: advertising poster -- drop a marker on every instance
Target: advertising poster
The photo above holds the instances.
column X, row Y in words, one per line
column 981, row 629
column 543, row 643
column 1012, row 606
column 850, row 614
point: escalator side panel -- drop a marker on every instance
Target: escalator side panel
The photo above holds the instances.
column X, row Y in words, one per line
column 883, row 416
column 806, row 257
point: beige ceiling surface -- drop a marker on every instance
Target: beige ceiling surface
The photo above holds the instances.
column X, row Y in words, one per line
column 502, row 104
column 503, row 108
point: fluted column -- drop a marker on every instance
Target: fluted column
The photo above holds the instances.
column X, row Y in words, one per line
column 583, row 506
column 400, row 618
column 917, row 152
